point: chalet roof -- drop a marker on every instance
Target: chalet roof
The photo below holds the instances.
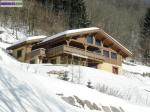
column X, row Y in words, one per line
column 72, row 33
column 81, row 31
column 23, row 41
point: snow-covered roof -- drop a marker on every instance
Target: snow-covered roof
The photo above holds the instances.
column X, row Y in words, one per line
column 72, row 32
column 28, row 40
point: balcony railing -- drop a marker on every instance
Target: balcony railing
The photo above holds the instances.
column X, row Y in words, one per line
column 74, row 51
column 36, row 52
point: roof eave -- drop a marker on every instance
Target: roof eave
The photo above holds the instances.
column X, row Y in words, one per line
column 123, row 48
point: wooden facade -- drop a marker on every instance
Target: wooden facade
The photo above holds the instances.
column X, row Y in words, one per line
column 92, row 48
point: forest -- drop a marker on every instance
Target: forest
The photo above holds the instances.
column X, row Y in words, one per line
column 128, row 21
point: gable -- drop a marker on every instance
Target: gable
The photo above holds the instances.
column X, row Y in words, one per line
column 106, row 40
column 114, row 44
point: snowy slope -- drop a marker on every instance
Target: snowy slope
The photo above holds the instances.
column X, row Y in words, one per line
column 23, row 91
column 135, row 68
column 7, row 35
column 132, row 87
column 4, row 45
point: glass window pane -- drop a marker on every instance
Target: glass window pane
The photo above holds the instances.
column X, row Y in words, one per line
column 98, row 52
column 113, row 55
column 90, row 39
column 106, row 53
column 19, row 53
column 98, row 42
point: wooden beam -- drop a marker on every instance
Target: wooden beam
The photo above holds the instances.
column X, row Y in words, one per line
column 110, row 45
column 103, row 39
column 68, row 42
column 118, row 51
column 73, row 40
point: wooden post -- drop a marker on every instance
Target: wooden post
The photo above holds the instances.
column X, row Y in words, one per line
column 93, row 40
column 67, row 59
column 79, row 70
column 72, row 68
column 68, row 42
column 85, row 46
column 85, row 49
column 102, row 48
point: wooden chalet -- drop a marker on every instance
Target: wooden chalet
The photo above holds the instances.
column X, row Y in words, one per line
column 90, row 47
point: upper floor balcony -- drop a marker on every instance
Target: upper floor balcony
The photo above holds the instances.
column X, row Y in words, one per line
column 75, row 51
column 36, row 52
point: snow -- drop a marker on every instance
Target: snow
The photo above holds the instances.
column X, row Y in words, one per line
column 131, row 67
column 7, row 35
column 28, row 39
column 22, row 90
column 4, row 45
column 36, row 37
column 109, row 83
column 70, row 32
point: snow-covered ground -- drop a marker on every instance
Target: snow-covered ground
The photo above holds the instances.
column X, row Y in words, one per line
column 4, row 45
column 8, row 36
column 131, row 86
column 135, row 68
column 26, row 87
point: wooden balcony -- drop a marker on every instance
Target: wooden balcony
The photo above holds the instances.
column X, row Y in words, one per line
column 74, row 51
column 36, row 52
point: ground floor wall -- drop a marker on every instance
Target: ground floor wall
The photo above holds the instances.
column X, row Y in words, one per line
column 34, row 60
column 22, row 53
column 110, row 68
column 68, row 59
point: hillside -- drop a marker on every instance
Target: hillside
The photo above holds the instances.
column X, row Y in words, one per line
column 101, row 82
column 33, row 91
column 7, row 37
column 50, row 87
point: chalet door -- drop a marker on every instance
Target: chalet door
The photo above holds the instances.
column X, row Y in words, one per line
column 92, row 65
column 115, row 70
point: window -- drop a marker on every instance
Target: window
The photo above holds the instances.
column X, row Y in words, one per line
column 32, row 61
column 90, row 39
column 19, row 53
column 98, row 42
column 53, row 61
column 98, row 52
column 113, row 55
column 115, row 70
column 92, row 65
column 106, row 53
column 106, row 46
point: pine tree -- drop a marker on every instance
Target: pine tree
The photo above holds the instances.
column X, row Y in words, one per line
column 75, row 12
column 145, row 38
column 78, row 15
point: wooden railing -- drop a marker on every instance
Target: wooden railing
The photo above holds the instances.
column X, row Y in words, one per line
column 74, row 51
column 36, row 52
